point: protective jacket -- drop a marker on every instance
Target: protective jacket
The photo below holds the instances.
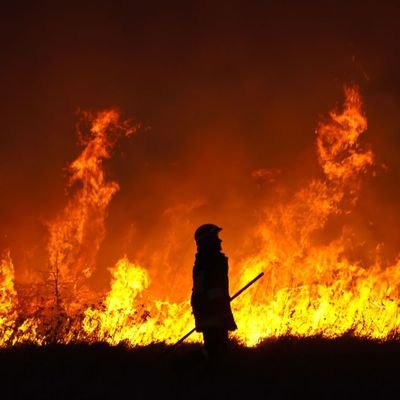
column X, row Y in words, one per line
column 210, row 295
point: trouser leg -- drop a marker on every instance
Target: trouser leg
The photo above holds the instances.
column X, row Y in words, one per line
column 215, row 341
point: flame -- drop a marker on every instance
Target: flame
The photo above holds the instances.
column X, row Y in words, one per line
column 8, row 300
column 128, row 316
column 338, row 148
column 76, row 234
column 309, row 288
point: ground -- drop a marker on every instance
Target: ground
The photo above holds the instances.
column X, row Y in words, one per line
column 280, row 369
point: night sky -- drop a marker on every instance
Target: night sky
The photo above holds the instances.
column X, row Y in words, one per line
column 221, row 88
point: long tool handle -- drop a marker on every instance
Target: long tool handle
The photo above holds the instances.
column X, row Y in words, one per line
column 238, row 293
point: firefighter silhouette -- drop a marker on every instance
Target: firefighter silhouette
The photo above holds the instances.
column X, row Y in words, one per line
column 210, row 295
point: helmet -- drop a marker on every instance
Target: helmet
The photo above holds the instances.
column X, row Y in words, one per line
column 206, row 230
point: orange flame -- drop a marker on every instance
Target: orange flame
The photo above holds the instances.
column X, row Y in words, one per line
column 313, row 289
column 338, row 148
column 76, row 234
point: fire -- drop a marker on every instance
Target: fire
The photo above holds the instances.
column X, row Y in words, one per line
column 309, row 288
column 338, row 148
column 8, row 300
column 128, row 317
column 76, row 234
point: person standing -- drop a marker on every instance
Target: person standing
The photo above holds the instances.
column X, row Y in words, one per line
column 210, row 299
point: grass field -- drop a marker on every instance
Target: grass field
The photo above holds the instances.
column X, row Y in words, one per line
column 345, row 368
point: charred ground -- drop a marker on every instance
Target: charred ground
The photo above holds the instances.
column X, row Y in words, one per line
column 285, row 368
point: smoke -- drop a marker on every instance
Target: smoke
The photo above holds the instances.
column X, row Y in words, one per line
column 223, row 92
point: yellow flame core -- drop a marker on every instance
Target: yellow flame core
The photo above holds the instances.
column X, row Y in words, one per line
column 308, row 288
